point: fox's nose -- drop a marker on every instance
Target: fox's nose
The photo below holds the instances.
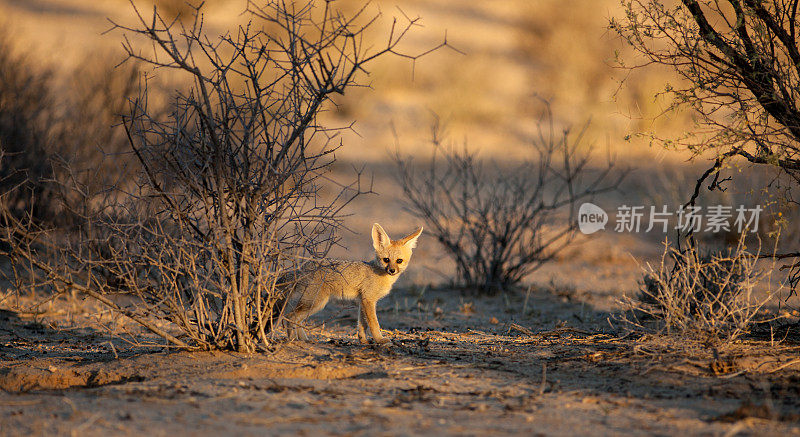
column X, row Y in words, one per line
column 391, row 271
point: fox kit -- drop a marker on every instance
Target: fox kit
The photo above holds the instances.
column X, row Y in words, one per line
column 365, row 281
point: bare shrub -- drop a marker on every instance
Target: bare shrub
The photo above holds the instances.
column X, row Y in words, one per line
column 740, row 63
column 739, row 60
column 92, row 153
column 228, row 185
column 56, row 131
column 500, row 222
column 100, row 91
column 26, row 117
column 709, row 297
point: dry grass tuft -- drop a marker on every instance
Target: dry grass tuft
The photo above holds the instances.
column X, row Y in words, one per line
column 708, row 297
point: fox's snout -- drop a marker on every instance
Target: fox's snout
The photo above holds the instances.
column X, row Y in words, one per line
column 391, row 270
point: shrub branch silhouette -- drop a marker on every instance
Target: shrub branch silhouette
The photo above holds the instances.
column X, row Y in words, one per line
column 501, row 222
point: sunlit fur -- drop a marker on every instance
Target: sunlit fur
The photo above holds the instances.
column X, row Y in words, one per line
column 366, row 281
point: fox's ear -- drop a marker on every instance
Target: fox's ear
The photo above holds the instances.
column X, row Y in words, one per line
column 411, row 240
column 380, row 238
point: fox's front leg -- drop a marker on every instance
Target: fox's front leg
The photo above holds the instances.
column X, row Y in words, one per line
column 362, row 321
column 368, row 309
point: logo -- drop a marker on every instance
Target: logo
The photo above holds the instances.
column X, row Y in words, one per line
column 591, row 218
column 711, row 218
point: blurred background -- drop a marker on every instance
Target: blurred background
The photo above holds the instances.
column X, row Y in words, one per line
column 504, row 59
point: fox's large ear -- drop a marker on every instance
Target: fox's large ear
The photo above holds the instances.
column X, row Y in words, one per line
column 380, row 238
column 411, row 240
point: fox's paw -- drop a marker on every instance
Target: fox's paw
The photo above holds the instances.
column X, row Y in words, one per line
column 382, row 341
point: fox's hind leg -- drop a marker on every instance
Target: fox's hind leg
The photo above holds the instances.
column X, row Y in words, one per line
column 292, row 323
column 304, row 309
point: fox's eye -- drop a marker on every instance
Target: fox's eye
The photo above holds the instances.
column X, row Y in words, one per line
column 386, row 260
column 399, row 261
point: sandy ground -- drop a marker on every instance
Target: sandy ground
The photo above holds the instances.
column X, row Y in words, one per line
column 458, row 365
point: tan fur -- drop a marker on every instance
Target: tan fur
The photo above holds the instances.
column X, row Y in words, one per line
column 366, row 281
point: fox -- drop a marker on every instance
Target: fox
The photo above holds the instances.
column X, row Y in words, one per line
column 365, row 281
